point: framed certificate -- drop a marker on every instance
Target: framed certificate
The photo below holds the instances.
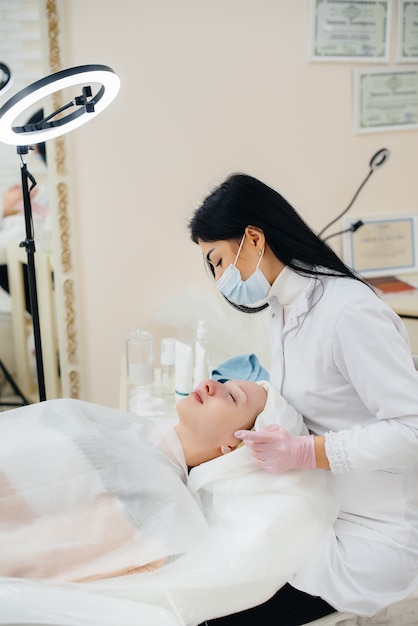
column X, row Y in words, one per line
column 407, row 31
column 385, row 99
column 349, row 30
column 383, row 245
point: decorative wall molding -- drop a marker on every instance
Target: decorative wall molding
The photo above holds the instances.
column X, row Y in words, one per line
column 67, row 301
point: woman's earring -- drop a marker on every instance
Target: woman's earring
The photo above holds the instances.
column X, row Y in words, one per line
column 260, row 252
column 226, row 449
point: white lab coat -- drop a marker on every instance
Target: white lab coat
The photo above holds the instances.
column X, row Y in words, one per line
column 342, row 358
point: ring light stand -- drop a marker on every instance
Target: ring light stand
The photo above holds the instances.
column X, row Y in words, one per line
column 24, row 137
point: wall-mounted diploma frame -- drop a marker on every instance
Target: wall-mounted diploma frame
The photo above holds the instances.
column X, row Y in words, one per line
column 385, row 99
column 383, row 245
column 407, row 31
column 349, row 30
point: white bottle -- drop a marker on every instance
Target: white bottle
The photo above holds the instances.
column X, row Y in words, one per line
column 201, row 355
column 184, row 370
column 168, row 370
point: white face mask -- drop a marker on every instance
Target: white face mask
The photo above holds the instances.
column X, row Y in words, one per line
column 239, row 291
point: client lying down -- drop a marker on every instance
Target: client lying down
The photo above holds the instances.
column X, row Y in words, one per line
column 95, row 498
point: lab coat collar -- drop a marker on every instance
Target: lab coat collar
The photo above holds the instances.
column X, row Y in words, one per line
column 288, row 286
column 294, row 292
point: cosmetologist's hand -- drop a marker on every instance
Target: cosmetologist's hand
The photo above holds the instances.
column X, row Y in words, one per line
column 276, row 451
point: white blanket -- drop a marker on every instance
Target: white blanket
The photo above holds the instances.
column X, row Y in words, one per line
column 96, row 506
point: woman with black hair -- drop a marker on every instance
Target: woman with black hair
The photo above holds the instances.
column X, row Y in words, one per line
column 342, row 358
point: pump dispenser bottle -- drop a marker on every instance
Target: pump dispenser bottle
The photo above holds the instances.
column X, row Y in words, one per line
column 201, row 354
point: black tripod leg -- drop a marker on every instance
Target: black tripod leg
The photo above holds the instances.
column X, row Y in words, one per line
column 14, row 386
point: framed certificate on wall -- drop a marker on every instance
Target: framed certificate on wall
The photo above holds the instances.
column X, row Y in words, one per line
column 385, row 99
column 383, row 245
column 407, row 31
column 343, row 30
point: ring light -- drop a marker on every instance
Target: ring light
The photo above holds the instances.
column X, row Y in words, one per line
column 53, row 125
column 27, row 97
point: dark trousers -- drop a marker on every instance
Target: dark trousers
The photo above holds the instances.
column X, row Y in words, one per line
column 288, row 607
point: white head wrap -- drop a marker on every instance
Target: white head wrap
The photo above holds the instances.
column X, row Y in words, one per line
column 278, row 411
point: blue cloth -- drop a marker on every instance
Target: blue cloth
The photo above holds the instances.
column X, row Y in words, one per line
column 240, row 367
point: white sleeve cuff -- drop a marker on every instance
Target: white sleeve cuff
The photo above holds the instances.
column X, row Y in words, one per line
column 336, row 452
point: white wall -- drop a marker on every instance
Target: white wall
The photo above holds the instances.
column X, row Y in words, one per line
column 208, row 88
column 20, row 50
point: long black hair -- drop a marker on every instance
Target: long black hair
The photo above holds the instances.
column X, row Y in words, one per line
column 241, row 201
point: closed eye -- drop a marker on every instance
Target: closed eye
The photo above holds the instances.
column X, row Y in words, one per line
column 232, row 397
column 211, row 269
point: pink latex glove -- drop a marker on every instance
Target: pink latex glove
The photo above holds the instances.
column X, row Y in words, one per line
column 277, row 451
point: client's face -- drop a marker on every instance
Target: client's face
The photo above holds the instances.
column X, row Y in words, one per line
column 212, row 413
